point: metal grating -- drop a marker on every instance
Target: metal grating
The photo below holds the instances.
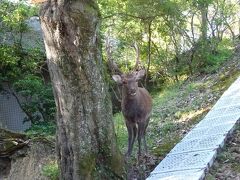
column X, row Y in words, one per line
column 216, row 113
column 232, row 92
column 185, row 161
column 224, row 111
column 227, row 102
column 219, row 129
column 190, row 158
column 233, row 110
column 179, row 175
column 205, row 143
column 210, row 142
column 185, row 146
column 222, row 120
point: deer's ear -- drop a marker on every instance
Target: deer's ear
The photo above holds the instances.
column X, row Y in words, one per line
column 117, row 78
column 140, row 74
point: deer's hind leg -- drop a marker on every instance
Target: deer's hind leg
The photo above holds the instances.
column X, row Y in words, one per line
column 144, row 136
column 141, row 130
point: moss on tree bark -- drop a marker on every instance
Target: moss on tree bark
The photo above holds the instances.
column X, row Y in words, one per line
column 86, row 143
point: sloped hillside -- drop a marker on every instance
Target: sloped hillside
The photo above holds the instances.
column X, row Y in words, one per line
column 177, row 109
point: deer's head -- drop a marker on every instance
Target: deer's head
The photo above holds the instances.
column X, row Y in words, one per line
column 129, row 82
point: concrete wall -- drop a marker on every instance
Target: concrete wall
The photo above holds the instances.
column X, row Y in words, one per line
column 11, row 115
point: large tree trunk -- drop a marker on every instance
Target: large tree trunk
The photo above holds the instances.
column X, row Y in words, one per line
column 86, row 142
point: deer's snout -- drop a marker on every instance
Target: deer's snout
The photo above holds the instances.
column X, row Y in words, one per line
column 132, row 91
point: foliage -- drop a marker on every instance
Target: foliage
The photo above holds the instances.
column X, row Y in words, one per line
column 21, row 67
column 51, row 171
column 38, row 98
column 42, row 129
column 15, row 60
column 175, row 38
column 121, row 130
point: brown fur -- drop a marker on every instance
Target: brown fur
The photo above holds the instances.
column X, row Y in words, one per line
column 136, row 108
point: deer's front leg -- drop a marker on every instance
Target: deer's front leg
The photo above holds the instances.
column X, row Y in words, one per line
column 131, row 127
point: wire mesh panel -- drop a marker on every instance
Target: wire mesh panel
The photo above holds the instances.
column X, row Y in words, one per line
column 210, row 142
column 233, row 110
column 185, row 146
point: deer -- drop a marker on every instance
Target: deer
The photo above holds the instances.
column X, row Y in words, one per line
column 136, row 105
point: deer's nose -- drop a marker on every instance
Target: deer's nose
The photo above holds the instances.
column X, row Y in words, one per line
column 132, row 89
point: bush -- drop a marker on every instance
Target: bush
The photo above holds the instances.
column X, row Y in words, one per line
column 51, row 171
column 42, row 129
column 215, row 56
column 38, row 102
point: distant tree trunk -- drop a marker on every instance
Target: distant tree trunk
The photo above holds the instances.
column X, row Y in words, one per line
column 190, row 61
column 204, row 22
column 204, row 28
column 149, row 52
column 86, row 142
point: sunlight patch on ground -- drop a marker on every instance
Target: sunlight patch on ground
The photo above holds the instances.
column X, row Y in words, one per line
column 188, row 116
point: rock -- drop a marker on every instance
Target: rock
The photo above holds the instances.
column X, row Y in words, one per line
column 29, row 167
column 22, row 158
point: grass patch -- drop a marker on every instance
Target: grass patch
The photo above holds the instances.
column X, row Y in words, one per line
column 167, row 93
column 51, row 171
column 224, row 52
column 121, row 130
column 167, row 128
column 236, row 167
column 166, row 145
column 42, row 129
column 226, row 80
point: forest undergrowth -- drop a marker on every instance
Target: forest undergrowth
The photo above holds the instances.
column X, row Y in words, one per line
column 176, row 110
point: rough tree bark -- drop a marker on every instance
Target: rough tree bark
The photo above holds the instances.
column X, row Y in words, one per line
column 86, row 143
